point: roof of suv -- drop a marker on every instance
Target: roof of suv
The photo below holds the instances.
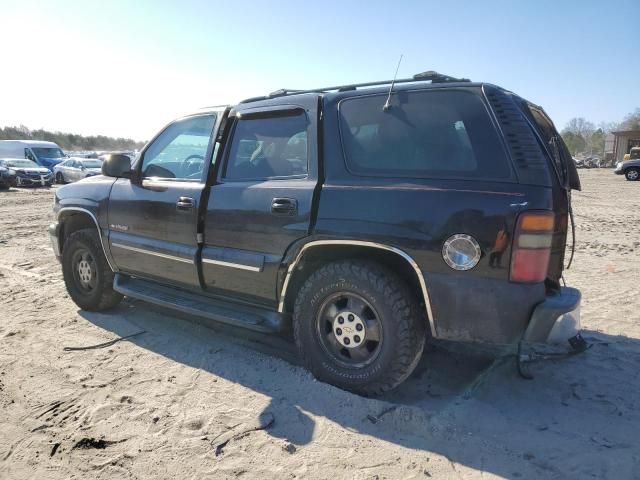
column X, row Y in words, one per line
column 426, row 80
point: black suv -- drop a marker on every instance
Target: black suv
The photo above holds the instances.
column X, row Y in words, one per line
column 367, row 218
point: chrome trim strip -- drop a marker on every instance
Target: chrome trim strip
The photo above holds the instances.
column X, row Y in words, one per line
column 151, row 252
column 239, row 266
column 95, row 220
column 416, row 268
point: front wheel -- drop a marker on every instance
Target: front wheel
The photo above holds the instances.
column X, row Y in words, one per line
column 357, row 326
column 59, row 178
column 632, row 174
column 86, row 273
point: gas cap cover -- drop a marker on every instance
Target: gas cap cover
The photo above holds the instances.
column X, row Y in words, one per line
column 461, row 251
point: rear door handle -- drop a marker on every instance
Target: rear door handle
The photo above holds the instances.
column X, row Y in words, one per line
column 284, row 206
column 185, row 203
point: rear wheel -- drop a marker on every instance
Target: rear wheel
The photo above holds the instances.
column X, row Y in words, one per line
column 86, row 273
column 632, row 174
column 357, row 326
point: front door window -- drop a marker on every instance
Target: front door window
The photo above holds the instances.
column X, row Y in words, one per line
column 179, row 152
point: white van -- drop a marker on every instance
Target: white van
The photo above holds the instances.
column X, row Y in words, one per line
column 45, row 154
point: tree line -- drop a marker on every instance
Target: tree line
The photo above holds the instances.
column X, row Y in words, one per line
column 70, row 141
column 582, row 136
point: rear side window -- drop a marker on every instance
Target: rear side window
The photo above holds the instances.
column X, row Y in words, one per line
column 438, row 134
column 551, row 139
column 268, row 148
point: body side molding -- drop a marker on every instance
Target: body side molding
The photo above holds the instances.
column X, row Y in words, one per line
column 152, row 252
column 239, row 266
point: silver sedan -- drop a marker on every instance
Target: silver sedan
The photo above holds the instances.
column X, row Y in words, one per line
column 75, row 169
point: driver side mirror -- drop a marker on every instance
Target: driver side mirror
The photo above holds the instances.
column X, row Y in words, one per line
column 116, row 165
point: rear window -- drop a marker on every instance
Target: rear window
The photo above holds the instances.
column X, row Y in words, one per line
column 437, row 134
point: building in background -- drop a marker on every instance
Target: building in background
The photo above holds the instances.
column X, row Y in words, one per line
column 609, row 143
column 623, row 141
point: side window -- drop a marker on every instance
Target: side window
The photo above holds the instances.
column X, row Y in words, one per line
column 28, row 155
column 264, row 148
column 179, row 152
column 439, row 134
column 550, row 137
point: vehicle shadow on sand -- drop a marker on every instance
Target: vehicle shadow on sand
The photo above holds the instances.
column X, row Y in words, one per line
column 475, row 411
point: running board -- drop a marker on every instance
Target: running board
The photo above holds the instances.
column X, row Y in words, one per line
column 239, row 315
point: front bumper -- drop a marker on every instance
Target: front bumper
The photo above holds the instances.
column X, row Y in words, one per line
column 557, row 319
column 54, row 237
column 8, row 181
column 40, row 181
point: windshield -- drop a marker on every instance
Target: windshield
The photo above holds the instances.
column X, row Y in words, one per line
column 91, row 163
column 20, row 164
column 49, row 152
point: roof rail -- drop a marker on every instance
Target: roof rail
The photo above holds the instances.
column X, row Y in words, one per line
column 428, row 76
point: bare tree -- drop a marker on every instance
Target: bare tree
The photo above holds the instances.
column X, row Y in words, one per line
column 631, row 121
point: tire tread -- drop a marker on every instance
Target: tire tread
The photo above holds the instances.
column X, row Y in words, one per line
column 108, row 298
column 409, row 324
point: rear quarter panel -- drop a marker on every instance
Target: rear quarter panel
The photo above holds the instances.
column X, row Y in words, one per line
column 480, row 304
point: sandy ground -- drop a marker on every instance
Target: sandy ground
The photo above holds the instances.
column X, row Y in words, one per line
column 190, row 400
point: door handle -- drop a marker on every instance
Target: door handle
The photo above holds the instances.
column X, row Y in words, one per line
column 185, row 203
column 284, row 206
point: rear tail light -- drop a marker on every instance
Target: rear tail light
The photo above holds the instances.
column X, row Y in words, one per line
column 532, row 247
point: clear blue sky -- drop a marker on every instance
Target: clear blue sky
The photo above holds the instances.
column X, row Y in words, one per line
column 125, row 68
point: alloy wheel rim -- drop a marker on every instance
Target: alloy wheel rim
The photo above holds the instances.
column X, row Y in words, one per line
column 633, row 174
column 349, row 329
column 84, row 270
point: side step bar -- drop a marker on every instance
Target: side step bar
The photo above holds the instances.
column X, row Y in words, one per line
column 239, row 315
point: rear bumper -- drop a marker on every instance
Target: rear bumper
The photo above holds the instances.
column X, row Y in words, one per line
column 54, row 237
column 556, row 319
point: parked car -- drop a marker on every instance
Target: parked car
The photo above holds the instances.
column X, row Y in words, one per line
column 27, row 173
column 7, row 177
column 45, row 154
column 630, row 168
column 75, row 169
column 128, row 153
column 366, row 218
column 82, row 154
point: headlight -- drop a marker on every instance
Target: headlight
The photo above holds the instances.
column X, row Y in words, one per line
column 11, row 172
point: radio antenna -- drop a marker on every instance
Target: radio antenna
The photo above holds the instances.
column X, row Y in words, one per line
column 387, row 104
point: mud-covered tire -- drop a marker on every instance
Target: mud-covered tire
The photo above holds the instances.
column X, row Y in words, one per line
column 98, row 294
column 632, row 174
column 403, row 326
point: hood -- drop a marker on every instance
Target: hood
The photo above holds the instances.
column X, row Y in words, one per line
column 50, row 162
column 86, row 192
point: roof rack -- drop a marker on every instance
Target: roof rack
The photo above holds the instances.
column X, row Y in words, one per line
column 428, row 76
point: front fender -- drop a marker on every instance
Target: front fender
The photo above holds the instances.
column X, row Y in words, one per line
column 89, row 199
